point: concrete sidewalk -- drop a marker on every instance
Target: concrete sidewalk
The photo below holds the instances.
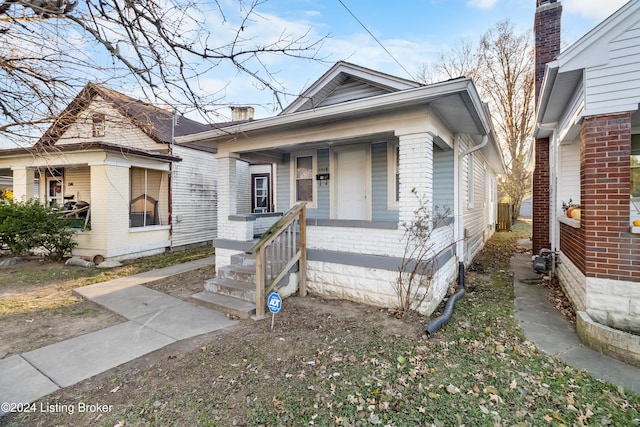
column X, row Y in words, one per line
column 556, row 335
column 154, row 320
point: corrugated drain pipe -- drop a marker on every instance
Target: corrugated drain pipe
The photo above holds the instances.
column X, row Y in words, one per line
column 439, row 321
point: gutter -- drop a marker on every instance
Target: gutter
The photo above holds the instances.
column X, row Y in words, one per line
column 420, row 95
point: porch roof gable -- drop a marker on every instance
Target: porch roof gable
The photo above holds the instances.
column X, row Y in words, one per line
column 346, row 82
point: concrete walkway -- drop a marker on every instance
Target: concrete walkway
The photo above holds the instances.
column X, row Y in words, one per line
column 556, row 335
column 154, row 320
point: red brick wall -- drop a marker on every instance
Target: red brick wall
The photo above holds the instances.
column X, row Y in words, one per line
column 611, row 251
column 540, row 198
column 572, row 245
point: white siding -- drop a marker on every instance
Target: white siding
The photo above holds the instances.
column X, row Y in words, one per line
column 569, row 174
column 77, row 183
column 194, row 197
column 614, row 86
column 477, row 221
column 118, row 129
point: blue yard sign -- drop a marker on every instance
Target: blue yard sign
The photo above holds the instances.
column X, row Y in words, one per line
column 274, row 302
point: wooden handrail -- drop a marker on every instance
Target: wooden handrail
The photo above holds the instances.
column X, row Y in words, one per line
column 293, row 249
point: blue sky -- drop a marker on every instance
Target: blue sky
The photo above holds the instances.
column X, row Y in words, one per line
column 414, row 31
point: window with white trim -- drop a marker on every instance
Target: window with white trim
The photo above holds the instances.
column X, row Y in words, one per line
column 303, row 174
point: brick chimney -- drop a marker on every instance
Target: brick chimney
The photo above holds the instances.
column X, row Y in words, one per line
column 239, row 114
column 547, row 35
column 547, row 47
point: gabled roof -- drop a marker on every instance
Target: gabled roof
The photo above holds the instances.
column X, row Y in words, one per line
column 155, row 122
column 347, row 82
column 564, row 75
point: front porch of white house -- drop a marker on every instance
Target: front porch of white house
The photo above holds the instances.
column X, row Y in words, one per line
column 125, row 194
column 361, row 192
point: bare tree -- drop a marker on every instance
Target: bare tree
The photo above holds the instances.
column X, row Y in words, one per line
column 49, row 49
column 502, row 68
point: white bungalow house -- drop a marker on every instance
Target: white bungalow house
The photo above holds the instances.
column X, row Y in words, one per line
column 113, row 156
column 360, row 148
column 588, row 150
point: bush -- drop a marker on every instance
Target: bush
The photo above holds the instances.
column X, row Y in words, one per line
column 28, row 225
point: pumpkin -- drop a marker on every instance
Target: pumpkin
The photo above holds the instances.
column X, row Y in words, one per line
column 636, row 223
column 575, row 214
column 570, row 210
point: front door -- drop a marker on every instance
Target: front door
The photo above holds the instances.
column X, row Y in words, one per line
column 54, row 191
column 260, row 193
column 351, row 184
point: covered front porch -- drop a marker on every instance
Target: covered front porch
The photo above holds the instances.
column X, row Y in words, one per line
column 117, row 197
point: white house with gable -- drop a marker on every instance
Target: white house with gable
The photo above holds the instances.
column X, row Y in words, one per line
column 361, row 148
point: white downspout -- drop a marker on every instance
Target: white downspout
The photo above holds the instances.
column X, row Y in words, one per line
column 459, row 208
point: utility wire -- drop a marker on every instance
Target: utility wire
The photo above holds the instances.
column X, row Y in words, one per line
column 377, row 41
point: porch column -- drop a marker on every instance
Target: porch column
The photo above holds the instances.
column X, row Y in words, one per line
column 611, row 251
column 227, row 193
column 416, row 172
column 23, row 183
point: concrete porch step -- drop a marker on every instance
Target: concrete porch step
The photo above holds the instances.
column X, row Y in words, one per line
column 229, row 305
column 241, row 273
column 233, row 288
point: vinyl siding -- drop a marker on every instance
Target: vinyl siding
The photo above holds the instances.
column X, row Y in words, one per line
column 614, row 86
column 569, row 173
column 324, row 192
column 243, row 203
column 118, row 129
column 379, row 185
column 350, row 90
column 194, row 195
column 475, row 216
column 283, row 183
column 443, row 180
column 77, row 183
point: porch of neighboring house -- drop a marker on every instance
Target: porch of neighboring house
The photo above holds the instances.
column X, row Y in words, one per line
column 119, row 209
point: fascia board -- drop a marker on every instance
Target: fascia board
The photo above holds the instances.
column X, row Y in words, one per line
column 420, row 95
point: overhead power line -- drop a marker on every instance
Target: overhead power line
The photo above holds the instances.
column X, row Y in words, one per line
column 376, row 39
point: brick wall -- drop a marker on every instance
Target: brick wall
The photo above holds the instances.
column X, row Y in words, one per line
column 540, row 198
column 611, row 251
column 572, row 245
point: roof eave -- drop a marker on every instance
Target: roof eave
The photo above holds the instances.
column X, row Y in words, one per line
column 409, row 97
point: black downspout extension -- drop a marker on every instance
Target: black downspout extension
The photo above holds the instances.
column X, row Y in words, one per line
column 439, row 321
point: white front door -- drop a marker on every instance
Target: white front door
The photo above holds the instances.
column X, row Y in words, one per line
column 352, row 201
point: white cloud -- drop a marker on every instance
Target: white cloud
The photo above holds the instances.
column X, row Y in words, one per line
column 592, row 9
column 482, row 4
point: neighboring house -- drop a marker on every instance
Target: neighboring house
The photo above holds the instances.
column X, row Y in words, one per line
column 588, row 150
column 354, row 147
column 115, row 155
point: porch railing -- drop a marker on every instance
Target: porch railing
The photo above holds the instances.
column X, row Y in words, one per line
column 277, row 251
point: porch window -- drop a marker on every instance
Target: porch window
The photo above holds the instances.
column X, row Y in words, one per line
column 393, row 188
column 99, row 124
column 304, row 166
column 635, row 176
column 145, row 195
